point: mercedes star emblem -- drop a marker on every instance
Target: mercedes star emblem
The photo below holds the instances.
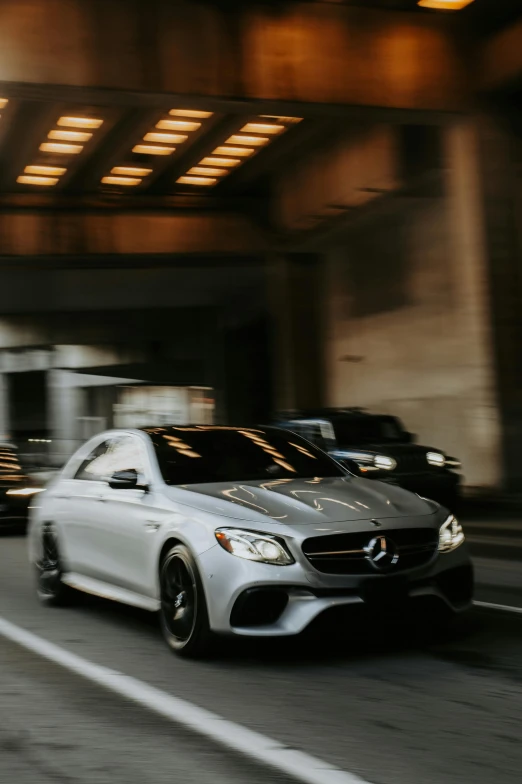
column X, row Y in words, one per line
column 381, row 552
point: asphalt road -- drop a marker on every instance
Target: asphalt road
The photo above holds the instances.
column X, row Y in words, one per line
column 389, row 710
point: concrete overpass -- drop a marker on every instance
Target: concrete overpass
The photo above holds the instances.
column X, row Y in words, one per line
column 302, row 203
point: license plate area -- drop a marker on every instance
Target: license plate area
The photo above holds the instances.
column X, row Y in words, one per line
column 384, row 591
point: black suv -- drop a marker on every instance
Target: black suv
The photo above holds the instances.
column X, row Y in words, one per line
column 16, row 489
column 377, row 446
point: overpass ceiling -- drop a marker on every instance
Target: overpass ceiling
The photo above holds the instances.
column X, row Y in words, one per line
column 62, row 151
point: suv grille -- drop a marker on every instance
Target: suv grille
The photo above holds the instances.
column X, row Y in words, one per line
column 344, row 553
column 412, row 463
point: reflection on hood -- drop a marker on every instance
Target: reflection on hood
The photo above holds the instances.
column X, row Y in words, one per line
column 304, row 501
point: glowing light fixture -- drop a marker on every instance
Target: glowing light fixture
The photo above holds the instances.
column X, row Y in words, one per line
column 172, row 125
column 262, row 128
column 241, row 152
column 196, row 180
column 444, row 5
column 165, row 138
column 190, row 113
column 286, row 120
column 61, row 149
column 3, row 102
column 152, row 149
column 207, row 171
column 25, row 179
column 211, row 161
column 131, row 171
column 49, row 171
column 80, row 122
column 70, row 136
column 121, row 180
column 248, row 141
column 182, row 125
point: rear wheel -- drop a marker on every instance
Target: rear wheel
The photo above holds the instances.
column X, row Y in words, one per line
column 49, row 569
column 183, row 613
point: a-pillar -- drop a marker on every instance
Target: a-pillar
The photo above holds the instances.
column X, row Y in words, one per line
column 295, row 296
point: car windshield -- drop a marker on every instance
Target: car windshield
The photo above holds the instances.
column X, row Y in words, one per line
column 353, row 431
column 10, row 467
column 198, row 455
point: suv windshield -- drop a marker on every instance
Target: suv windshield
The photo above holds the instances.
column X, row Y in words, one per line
column 354, row 430
column 10, row 467
column 198, row 455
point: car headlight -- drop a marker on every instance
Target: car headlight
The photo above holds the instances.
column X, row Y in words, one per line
column 451, row 535
column 436, row 459
column 25, row 491
column 383, row 461
column 253, row 547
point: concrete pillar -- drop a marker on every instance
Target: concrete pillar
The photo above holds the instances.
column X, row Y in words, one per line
column 471, row 261
column 295, row 305
column 64, row 408
column 500, row 184
column 4, row 408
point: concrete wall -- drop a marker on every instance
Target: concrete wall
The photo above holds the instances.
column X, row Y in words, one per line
column 407, row 323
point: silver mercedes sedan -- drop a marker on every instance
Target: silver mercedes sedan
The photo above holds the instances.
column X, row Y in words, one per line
column 239, row 531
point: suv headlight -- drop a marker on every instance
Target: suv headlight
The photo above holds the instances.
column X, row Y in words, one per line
column 436, row 459
column 25, row 491
column 253, row 547
column 451, row 535
column 383, row 461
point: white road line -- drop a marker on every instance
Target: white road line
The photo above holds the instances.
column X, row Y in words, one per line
column 492, row 606
column 261, row 749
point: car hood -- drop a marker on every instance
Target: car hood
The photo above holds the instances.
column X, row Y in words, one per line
column 303, row 501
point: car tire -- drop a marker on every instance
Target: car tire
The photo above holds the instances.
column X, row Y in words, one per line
column 183, row 613
column 50, row 589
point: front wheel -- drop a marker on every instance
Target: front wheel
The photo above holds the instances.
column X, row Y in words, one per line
column 183, row 612
column 49, row 569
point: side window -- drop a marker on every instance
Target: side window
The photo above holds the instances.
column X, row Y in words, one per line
column 117, row 454
column 126, row 454
column 92, row 467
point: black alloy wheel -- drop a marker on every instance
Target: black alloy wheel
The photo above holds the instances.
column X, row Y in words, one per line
column 183, row 612
column 50, row 588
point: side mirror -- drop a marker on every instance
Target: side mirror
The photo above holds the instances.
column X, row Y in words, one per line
column 125, row 480
column 409, row 438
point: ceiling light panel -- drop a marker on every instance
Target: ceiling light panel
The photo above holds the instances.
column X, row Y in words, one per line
column 63, row 142
column 197, row 180
column 61, row 149
column 80, row 122
column 212, row 160
column 445, row 5
column 248, row 141
column 26, row 179
column 126, row 181
column 70, row 136
column 190, row 113
column 46, row 171
column 163, row 140
column 131, row 171
column 232, row 152
column 152, row 149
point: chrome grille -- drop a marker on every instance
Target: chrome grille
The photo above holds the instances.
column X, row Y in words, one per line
column 345, row 554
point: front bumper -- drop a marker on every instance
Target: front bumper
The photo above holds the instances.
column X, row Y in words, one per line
column 255, row 599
